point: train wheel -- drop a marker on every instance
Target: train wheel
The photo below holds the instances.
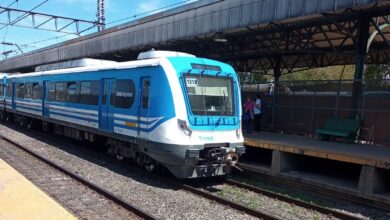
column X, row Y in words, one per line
column 139, row 160
column 119, row 157
column 21, row 123
column 30, row 125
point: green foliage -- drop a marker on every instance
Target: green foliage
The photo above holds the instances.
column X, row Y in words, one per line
column 254, row 77
column 374, row 76
column 325, row 73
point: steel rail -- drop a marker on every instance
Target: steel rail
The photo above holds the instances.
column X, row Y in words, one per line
column 290, row 200
column 139, row 212
column 119, row 201
column 319, row 190
column 209, row 196
column 247, row 210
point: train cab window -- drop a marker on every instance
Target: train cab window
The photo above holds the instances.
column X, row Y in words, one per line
column 28, row 91
column 124, row 94
column 145, row 93
column 72, row 93
column 8, row 90
column 89, row 92
column 20, row 90
column 1, row 89
column 60, row 92
column 52, row 91
column 36, row 91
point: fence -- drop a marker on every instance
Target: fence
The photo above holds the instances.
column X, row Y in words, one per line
column 299, row 107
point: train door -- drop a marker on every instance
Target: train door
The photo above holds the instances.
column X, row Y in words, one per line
column 44, row 93
column 143, row 108
column 105, row 113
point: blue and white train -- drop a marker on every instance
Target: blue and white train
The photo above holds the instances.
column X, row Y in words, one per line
column 166, row 109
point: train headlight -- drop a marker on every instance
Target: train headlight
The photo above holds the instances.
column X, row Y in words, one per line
column 183, row 127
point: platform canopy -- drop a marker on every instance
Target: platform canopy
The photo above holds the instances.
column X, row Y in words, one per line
column 265, row 36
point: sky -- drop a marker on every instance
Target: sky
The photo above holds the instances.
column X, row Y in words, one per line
column 29, row 39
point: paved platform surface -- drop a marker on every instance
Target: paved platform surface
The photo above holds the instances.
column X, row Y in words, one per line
column 21, row 199
column 377, row 156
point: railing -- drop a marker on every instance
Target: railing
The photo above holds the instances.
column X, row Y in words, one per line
column 299, row 107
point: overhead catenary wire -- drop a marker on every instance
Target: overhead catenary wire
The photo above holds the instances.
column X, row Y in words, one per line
column 18, row 19
column 148, row 12
column 6, row 31
column 23, row 16
column 116, row 21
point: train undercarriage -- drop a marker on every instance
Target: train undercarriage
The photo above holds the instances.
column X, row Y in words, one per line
column 186, row 162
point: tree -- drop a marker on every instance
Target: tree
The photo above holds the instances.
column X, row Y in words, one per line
column 375, row 76
column 324, row 73
column 253, row 77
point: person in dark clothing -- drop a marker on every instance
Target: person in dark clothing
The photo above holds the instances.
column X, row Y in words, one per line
column 257, row 113
column 248, row 114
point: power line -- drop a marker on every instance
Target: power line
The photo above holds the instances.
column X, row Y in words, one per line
column 60, row 23
column 134, row 16
column 26, row 14
column 148, row 12
column 16, row 1
column 44, row 40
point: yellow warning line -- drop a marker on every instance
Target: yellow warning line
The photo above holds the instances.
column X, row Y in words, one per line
column 21, row 199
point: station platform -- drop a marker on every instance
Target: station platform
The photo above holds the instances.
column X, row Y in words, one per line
column 356, row 170
column 21, row 199
column 376, row 156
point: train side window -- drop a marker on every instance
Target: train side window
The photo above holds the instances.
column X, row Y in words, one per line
column 52, row 91
column 60, row 92
column 89, row 92
column 20, row 90
column 72, row 94
column 145, row 93
column 8, row 91
column 124, row 93
column 1, row 89
column 36, row 91
column 28, row 91
column 112, row 92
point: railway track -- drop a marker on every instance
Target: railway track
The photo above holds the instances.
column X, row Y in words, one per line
column 323, row 191
column 203, row 193
column 115, row 199
column 226, row 202
column 290, row 200
column 139, row 212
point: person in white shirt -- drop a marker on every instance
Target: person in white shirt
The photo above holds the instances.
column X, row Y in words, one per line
column 257, row 112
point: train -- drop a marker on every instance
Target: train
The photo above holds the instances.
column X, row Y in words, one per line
column 167, row 109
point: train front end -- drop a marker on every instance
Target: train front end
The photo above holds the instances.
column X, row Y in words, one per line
column 208, row 112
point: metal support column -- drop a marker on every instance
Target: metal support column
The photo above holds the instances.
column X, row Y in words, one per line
column 277, row 74
column 361, row 52
column 100, row 15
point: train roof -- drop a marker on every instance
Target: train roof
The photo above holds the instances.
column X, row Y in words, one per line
column 73, row 64
column 105, row 66
column 149, row 58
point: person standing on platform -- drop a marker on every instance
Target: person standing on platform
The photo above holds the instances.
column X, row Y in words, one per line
column 257, row 113
column 248, row 115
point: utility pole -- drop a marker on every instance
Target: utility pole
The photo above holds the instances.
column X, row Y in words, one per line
column 100, row 15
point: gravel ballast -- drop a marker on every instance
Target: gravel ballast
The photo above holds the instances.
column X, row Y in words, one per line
column 156, row 198
column 159, row 199
column 77, row 198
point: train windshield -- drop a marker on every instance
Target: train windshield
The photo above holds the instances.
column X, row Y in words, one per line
column 210, row 95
